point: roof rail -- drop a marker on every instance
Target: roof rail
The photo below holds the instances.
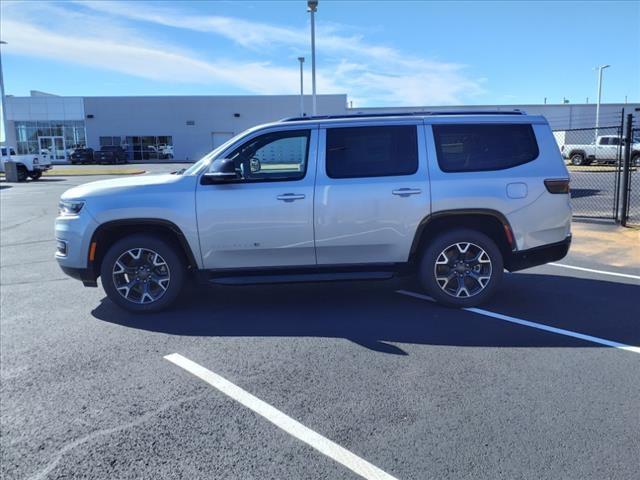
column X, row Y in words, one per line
column 405, row 114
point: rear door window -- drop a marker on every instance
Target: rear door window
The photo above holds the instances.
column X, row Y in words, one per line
column 376, row 151
column 482, row 147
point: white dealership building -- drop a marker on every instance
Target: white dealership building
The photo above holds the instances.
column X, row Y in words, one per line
column 190, row 126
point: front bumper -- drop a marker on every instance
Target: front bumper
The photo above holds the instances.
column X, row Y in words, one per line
column 73, row 235
column 42, row 168
column 532, row 257
column 86, row 275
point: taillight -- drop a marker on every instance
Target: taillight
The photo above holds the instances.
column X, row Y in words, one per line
column 557, row 185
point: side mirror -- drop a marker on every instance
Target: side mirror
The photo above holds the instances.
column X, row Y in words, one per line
column 254, row 165
column 222, row 170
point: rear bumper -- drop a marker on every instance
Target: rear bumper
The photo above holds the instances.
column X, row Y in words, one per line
column 537, row 256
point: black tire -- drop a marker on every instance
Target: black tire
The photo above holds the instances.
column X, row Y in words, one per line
column 35, row 175
column 23, row 173
column 447, row 242
column 175, row 266
column 635, row 160
column 577, row 159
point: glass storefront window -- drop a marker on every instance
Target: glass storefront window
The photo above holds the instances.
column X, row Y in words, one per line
column 21, row 133
column 110, row 141
column 149, row 147
column 28, row 134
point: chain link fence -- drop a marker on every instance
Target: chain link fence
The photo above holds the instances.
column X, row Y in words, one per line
column 593, row 159
column 634, row 176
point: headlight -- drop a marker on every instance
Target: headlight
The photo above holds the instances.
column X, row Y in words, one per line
column 69, row 207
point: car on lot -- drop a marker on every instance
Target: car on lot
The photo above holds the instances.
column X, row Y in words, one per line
column 82, row 155
column 166, row 151
column 453, row 198
column 111, row 154
column 605, row 149
column 28, row 165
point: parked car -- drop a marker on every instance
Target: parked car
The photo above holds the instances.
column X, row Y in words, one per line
column 114, row 154
column 82, row 155
column 166, row 151
column 605, row 149
column 451, row 198
column 29, row 165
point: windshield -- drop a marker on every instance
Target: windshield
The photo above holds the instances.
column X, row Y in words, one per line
column 209, row 157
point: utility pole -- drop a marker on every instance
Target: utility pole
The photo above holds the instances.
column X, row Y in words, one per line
column 312, row 7
column 5, row 133
column 600, row 69
column 301, row 60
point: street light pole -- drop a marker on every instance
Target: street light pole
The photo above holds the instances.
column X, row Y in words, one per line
column 312, row 7
column 301, row 60
column 2, row 99
column 600, row 69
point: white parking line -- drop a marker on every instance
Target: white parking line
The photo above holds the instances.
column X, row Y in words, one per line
column 539, row 326
column 602, row 272
column 283, row 421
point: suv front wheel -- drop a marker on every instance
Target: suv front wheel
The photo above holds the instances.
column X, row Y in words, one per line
column 461, row 268
column 142, row 274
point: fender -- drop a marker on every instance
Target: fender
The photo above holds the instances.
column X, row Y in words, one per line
column 142, row 223
column 462, row 211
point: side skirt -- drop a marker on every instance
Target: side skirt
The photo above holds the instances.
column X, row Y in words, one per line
column 300, row 274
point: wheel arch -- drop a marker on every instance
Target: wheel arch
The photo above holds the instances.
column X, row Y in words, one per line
column 490, row 222
column 109, row 232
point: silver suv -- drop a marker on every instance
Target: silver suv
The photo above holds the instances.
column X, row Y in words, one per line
column 454, row 198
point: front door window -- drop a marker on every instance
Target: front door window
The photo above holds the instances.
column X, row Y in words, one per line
column 273, row 156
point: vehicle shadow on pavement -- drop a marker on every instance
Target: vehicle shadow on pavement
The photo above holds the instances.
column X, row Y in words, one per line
column 373, row 314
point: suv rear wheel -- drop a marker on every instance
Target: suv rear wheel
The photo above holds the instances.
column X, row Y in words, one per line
column 141, row 273
column 461, row 268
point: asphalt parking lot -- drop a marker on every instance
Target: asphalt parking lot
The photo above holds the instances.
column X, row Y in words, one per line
column 327, row 381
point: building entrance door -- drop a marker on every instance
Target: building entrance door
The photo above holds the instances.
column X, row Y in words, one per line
column 52, row 148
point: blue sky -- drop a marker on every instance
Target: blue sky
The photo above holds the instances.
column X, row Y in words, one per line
column 380, row 53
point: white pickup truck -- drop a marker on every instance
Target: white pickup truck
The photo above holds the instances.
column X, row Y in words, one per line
column 28, row 165
column 606, row 149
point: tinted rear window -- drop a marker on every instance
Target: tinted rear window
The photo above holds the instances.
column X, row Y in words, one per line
column 372, row 151
column 478, row 147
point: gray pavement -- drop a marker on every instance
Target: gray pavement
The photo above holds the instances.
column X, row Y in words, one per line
column 418, row 390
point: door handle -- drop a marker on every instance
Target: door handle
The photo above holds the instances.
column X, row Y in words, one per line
column 405, row 192
column 290, row 197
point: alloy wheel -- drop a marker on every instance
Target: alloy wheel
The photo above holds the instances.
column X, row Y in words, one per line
column 463, row 270
column 141, row 275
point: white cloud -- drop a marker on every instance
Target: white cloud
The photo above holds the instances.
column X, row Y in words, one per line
column 106, row 35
